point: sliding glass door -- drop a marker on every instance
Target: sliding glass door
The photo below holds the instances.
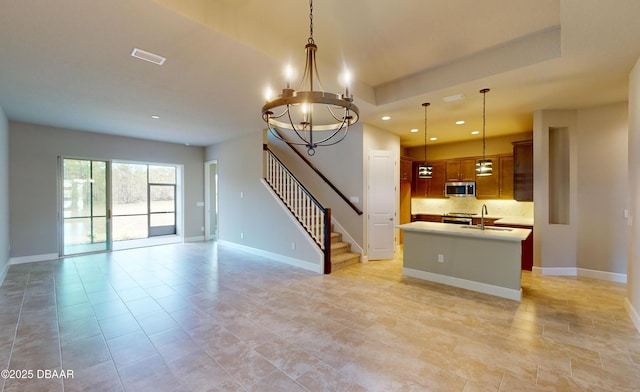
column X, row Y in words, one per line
column 85, row 206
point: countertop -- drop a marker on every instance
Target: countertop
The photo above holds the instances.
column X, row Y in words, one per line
column 466, row 231
column 500, row 220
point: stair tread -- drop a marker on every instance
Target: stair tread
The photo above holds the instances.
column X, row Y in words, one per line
column 344, row 256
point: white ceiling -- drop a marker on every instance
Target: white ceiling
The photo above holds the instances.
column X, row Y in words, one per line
column 67, row 63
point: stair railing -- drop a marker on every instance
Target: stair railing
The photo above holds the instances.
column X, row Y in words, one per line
column 314, row 218
column 326, row 180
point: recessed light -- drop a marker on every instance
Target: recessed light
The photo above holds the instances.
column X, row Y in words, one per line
column 414, row 130
column 155, row 116
column 385, row 118
column 452, row 98
column 433, row 138
column 459, row 122
column 148, row 56
column 475, row 132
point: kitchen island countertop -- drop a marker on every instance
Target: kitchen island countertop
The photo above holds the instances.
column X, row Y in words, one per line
column 514, row 234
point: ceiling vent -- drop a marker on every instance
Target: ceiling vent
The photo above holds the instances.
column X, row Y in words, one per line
column 453, row 98
column 146, row 56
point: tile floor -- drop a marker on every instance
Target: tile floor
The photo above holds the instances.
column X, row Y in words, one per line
column 203, row 317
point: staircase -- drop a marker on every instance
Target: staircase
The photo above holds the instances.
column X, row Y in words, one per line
column 311, row 215
column 341, row 254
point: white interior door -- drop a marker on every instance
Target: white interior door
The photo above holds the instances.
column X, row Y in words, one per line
column 381, row 205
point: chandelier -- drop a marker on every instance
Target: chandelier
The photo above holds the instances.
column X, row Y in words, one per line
column 308, row 117
column 424, row 169
column 484, row 166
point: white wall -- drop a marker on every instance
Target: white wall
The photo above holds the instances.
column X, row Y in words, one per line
column 249, row 215
column 555, row 245
column 602, row 188
column 342, row 164
column 33, row 178
column 593, row 241
column 633, row 230
column 4, row 195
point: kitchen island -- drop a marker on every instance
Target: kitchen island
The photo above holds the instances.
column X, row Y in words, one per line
column 465, row 256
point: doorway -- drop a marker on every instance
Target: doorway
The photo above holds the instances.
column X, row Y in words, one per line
column 211, row 200
column 381, row 205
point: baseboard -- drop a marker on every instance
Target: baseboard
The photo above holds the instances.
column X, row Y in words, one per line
column 199, row 238
column 602, row 275
column 635, row 317
column 33, row 258
column 512, row 294
column 584, row 272
column 278, row 257
column 555, row 271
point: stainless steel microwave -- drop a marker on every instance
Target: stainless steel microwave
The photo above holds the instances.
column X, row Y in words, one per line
column 460, row 189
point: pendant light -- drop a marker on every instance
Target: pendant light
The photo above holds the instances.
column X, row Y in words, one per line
column 484, row 166
column 424, row 169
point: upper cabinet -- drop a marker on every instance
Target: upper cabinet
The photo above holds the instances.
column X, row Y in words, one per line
column 523, row 170
column 499, row 185
column 429, row 187
column 463, row 169
column 406, row 169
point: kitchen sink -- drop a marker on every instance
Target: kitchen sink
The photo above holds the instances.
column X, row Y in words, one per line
column 487, row 228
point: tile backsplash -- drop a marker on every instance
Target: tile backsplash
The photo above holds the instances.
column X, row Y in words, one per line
column 497, row 208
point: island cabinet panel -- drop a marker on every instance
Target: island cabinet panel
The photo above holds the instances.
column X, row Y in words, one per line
column 523, row 170
column 487, row 261
column 429, row 187
column 406, row 169
column 527, row 247
column 463, row 169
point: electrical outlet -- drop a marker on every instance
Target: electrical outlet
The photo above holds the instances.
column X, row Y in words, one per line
column 293, row 246
column 241, row 235
column 440, row 258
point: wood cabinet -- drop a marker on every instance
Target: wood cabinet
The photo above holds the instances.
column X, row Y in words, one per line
column 523, row 170
column 461, row 169
column 506, row 177
column 429, row 187
column 499, row 185
column 406, row 169
column 487, row 221
column 426, row 218
column 438, row 178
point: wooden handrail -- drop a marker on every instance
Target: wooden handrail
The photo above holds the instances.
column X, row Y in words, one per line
column 326, row 180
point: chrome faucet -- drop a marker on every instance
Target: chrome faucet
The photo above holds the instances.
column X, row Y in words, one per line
column 483, row 211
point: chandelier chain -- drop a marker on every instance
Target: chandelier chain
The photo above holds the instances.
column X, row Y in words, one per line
column 311, row 22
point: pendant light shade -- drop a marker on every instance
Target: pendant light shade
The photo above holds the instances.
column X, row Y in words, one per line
column 484, row 166
column 424, row 169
